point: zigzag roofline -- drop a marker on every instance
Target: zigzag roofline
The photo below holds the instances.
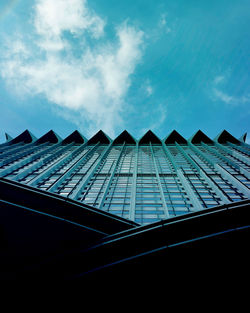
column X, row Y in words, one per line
column 125, row 136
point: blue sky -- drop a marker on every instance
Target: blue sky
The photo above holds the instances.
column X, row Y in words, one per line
column 115, row 65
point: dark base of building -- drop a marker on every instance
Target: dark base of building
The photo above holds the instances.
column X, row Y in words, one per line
column 37, row 246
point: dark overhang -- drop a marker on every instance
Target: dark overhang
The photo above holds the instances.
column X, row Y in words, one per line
column 124, row 137
column 151, row 249
column 225, row 137
column 199, row 137
column 174, row 137
column 50, row 137
column 37, row 227
column 61, row 207
column 99, row 137
column 75, row 137
column 149, row 137
column 176, row 244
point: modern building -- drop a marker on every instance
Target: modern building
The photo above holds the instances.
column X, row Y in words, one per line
column 116, row 190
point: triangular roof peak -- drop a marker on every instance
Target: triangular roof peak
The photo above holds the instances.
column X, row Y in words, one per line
column 50, row 136
column 243, row 138
column 225, row 136
column 149, row 137
column 199, row 137
column 100, row 137
column 26, row 137
column 75, row 137
column 173, row 137
column 8, row 137
column 124, row 137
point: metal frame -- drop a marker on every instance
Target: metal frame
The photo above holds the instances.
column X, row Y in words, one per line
column 133, row 186
column 196, row 204
column 80, row 186
column 164, row 204
column 230, row 166
column 111, row 177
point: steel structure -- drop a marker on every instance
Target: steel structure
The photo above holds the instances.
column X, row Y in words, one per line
column 145, row 180
column 123, row 209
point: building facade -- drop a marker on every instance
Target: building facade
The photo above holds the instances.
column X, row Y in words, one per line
column 144, row 181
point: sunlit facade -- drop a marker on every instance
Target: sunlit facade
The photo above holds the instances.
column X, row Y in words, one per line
column 144, row 180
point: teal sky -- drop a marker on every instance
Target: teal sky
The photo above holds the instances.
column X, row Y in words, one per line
column 115, row 65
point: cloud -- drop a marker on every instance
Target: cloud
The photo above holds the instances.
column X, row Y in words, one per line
column 52, row 18
column 89, row 87
column 219, row 95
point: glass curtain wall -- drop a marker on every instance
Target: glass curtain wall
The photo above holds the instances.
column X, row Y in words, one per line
column 144, row 182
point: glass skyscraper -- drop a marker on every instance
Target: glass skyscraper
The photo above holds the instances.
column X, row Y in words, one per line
column 144, row 180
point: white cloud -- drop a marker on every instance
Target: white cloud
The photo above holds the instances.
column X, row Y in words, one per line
column 52, row 18
column 228, row 99
column 88, row 87
column 219, row 95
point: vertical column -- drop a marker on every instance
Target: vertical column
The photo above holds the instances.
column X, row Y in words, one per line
column 26, row 161
column 159, row 184
column 81, row 185
column 54, row 167
column 133, row 186
column 242, row 188
column 19, row 163
column 220, row 156
column 57, row 183
column 237, row 151
column 53, row 158
column 241, row 158
column 17, row 150
column 234, row 180
column 111, row 178
column 209, row 180
column 196, row 204
column 225, row 173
